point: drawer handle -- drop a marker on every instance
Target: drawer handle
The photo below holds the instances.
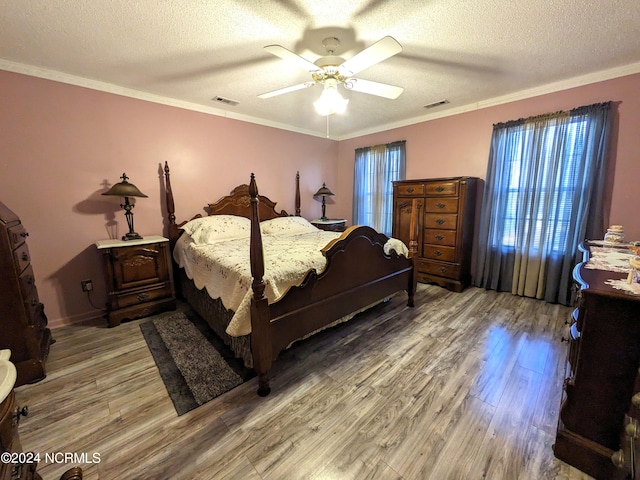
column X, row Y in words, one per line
column 443, row 270
column 440, row 205
column 142, row 297
column 438, row 253
column 24, row 234
column 410, row 189
column 439, row 237
column 439, row 221
column 439, row 188
column 25, row 257
column 24, row 411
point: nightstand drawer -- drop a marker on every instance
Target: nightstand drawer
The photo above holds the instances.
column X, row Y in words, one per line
column 140, row 295
column 138, row 266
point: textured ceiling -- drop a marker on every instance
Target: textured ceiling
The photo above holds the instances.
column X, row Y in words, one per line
column 185, row 53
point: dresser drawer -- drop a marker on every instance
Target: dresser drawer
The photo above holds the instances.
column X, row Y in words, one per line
column 27, row 281
column 439, row 252
column 17, row 235
column 445, row 221
column 443, row 205
column 31, row 305
column 414, row 189
column 440, row 237
column 449, row 270
column 442, row 188
column 21, row 257
column 140, row 295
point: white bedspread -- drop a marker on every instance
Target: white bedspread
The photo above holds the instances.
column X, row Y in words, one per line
column 223, row 268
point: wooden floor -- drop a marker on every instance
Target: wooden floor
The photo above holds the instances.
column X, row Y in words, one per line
column 464, row 386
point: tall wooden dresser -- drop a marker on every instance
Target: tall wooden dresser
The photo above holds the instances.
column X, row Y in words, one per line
column 445, row 227
column 23, row 323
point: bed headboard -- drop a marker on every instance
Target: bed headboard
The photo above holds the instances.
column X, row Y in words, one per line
column 236, row 203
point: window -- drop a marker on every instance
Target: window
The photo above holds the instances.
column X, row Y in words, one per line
column 539, row 220
column 543, row 195
column 375, row 170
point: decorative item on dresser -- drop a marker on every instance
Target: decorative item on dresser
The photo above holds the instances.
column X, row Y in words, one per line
column 22, row 318
column 445, row 229
column 330, row 224
column 139, row 277
column 601, row 402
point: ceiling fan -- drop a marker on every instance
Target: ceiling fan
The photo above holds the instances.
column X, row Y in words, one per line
column 331, row 71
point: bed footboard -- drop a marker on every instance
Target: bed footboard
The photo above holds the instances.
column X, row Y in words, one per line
column 358, row 274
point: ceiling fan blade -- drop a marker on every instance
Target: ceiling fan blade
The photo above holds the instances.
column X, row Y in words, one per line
column 280, row 91
column 280, row 51
column 374, row 88
column 379, row 51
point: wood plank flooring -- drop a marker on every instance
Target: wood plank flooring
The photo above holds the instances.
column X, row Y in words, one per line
column 463, row 386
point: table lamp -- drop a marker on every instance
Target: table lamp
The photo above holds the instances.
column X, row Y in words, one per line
column 324, row 192
column 126, row 190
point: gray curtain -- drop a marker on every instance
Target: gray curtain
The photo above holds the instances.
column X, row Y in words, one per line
column 374, row 171
column 543, row 196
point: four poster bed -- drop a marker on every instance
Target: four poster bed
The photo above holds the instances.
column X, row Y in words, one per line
column 267, row 309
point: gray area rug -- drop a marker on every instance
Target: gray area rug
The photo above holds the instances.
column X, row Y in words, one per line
column 195, row 365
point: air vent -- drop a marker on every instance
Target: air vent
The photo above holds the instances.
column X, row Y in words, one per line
column 228, row 101
column 436, row 104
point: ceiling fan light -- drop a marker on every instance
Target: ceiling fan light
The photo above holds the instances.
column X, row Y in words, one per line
column 330, row 101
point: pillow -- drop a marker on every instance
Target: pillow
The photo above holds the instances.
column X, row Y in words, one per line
column 214, row 228
column 286, row 226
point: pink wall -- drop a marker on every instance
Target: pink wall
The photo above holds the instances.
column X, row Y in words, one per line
column 60, row 144
column 459, row 145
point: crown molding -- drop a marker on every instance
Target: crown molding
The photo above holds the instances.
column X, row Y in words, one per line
column 149, row 97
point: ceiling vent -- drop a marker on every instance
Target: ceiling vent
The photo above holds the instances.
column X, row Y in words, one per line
column 227, row 101
column 436, row 104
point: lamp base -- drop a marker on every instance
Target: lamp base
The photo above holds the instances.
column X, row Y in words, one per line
column 132, row 236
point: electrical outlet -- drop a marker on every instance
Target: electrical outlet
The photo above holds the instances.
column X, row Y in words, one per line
column 87, row 285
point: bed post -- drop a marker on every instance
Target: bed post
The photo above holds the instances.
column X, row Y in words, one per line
column 297, row 194
column 171, row 209
column 413, row 249
column 260, row 326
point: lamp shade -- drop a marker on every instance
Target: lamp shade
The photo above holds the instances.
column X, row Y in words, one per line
column 124, row 189
column 323, row 192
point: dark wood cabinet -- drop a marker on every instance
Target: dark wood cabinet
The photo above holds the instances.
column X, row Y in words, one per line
column 446, row 219
column 23, row 322
column 138, row 277
column 601, row 373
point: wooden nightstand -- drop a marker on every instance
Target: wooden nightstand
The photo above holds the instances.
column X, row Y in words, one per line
column 138, row 277
column 331, row 224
